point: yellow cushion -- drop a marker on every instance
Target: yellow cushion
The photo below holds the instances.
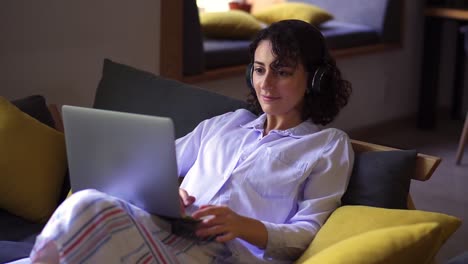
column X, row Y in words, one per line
column 233, row 24
column 349, row 221
column 309, row 13
column 32, row 164
column 401, row 244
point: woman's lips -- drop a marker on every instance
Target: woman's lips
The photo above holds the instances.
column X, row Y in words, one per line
column 269, row 98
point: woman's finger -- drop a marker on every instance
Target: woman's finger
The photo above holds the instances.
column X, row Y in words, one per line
column 210, row 231
column 225, row 237
column 214, row 210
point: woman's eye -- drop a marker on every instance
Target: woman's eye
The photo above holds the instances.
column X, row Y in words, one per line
column 259, row 70
column 284, row 73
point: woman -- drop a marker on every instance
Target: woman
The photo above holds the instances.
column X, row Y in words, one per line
column 261, row 185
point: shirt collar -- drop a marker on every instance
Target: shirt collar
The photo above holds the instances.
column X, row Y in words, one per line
column 301, row 130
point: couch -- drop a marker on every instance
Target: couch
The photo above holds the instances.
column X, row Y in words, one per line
column 356, row 23
column 377, row 220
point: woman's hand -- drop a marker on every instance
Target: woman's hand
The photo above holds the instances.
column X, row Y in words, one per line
column 185, row 200
column 226, row 225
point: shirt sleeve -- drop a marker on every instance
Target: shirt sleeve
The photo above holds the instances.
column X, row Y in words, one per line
column 188, row 146
column 322, row 192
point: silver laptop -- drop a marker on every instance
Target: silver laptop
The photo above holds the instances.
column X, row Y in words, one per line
column 130, row 156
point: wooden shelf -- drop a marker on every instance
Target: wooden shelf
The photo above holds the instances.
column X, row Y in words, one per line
column 459, row 14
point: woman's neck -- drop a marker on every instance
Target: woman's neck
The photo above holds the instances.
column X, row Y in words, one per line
column 280, row 123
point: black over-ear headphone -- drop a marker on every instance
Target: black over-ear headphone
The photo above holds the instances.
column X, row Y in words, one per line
column 314, row 83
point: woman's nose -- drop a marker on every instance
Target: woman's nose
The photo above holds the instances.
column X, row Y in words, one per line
column 267, row 82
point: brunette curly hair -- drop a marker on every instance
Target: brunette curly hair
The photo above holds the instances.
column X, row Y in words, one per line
column 295, row 41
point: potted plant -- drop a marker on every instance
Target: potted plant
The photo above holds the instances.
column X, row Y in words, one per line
column 240, row 5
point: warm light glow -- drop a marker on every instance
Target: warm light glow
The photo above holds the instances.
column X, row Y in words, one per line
column 213, row 5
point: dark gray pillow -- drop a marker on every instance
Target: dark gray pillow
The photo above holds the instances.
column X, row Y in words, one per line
column 381, row 179
column 11, row 251
column 35, row 106
column 127, row 89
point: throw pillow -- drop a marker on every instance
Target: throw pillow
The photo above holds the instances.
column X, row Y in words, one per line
column 349, row 221
column 233, row 24
column 402, row 244
column 306, row 12
column 381, row 179
column 33, row 164
column 35, row 106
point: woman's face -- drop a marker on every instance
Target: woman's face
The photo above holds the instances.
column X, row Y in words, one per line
column 280, row 89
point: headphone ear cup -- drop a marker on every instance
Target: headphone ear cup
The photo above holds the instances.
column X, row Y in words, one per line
column 318, row 78
column 248, row 76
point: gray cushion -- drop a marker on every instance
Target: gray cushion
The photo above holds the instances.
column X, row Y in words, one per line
column 127, row 89
column 11, row 251
column 17, row 236
column 35, row 106
column 15, row 228
column 381, row 179
column 460, row 259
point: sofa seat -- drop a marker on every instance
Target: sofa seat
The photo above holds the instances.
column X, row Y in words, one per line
column 17, row 236
column 15, row 228
column 221, row 53
column 225, row 53
column 339, row 35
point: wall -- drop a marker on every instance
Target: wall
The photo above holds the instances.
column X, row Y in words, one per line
column 56, row 48
column 386, row 84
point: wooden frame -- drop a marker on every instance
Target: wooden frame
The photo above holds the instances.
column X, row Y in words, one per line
column 459, row 14
column 171, row 39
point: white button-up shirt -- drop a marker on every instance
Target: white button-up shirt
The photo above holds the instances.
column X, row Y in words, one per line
column 291, row 180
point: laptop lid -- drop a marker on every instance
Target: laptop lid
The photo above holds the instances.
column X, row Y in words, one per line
column 129, row 156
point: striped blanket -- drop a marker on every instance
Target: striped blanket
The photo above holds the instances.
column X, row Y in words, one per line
column 92, row 227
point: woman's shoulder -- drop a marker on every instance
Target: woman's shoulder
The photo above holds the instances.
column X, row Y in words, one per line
column 335, row 132
column 327, row 137
column 314, row 131
column 230, row 119
column 239, row 115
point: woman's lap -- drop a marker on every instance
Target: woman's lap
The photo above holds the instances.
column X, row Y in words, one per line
column 91, row 226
